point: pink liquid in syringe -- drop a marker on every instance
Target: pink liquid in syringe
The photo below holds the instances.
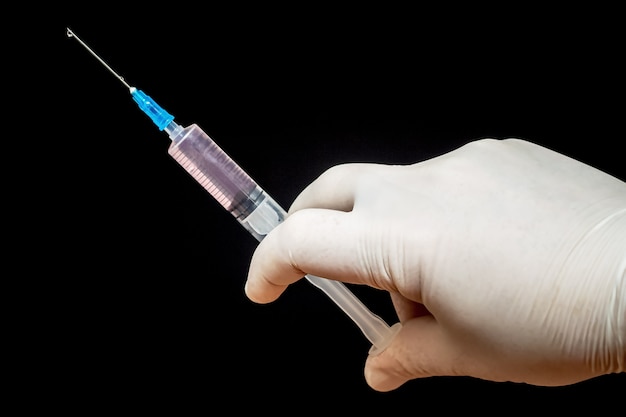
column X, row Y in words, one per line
column 215, row 171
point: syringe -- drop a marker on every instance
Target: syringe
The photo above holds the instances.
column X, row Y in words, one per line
column 253, row 208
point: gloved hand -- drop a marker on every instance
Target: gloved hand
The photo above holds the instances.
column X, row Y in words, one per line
column 505, row 261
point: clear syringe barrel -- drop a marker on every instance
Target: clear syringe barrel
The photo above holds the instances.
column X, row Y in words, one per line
column 256, row 211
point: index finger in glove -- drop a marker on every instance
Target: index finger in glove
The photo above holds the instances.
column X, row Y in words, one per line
column 319, row 242
column 320, row 237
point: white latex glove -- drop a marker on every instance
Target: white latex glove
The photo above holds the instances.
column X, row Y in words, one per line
column 505, row 261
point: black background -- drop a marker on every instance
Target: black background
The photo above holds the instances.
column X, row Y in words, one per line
column 149, row 309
